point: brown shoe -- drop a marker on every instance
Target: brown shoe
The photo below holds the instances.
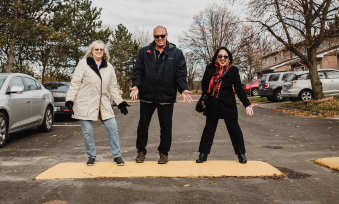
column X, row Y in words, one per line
column 140, row 158
column 163, row 159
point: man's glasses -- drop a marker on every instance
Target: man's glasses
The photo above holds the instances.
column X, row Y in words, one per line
column 97, row 50
column 223, row 56
column 162, row 36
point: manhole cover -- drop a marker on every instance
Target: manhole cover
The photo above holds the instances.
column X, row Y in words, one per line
column 273, row 147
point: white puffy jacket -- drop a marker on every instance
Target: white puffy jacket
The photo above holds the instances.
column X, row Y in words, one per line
column 90, row 90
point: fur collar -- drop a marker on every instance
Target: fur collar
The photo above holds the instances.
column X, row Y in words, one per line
column 92, row 65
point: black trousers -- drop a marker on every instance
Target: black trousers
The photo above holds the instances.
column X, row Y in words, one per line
column 233, row 130
column 165, row 114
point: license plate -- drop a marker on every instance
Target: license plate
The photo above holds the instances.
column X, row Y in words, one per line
column 56, row 108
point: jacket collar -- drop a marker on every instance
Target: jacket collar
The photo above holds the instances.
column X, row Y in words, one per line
column 169, row 46
column 91, row 63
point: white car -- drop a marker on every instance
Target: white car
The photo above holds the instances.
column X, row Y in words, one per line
column 299, row 86
column 24, row 104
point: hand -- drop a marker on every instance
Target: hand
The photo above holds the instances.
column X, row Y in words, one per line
column 122, row 106
column 186, row 96
column 69, row 105
column 134, row 93
column 249, row 109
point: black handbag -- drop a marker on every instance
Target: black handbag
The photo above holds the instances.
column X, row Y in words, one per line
column 201, row 104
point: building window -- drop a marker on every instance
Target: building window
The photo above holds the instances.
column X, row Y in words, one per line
column 275, row 59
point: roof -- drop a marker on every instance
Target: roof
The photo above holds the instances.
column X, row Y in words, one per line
column 19, row 74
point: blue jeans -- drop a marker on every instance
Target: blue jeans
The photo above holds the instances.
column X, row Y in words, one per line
column 112, row 128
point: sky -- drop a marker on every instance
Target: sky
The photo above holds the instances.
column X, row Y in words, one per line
column 175, row 15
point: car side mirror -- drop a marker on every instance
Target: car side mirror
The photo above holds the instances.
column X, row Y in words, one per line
column 16, row 89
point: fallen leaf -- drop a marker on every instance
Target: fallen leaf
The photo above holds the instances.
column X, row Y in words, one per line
column 187, row 185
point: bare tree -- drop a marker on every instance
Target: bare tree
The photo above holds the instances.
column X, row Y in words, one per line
column 298, row 24
column 214, row 27
column 194, row 69
column 252, row 47
column 142, row 36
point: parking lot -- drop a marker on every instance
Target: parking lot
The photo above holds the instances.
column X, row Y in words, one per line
column 287, row 142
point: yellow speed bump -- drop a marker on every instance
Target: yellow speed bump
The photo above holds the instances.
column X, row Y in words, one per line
column 153, row 169
column 332, row 162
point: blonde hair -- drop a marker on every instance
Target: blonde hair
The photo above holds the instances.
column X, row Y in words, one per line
column 90, row 49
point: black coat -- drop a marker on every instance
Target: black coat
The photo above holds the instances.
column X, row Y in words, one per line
column 224, row 107
column 161, row 86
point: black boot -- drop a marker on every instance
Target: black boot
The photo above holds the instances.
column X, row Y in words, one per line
column 202, row 157
column 242, row 158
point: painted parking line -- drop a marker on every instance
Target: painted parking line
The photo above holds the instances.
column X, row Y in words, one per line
column 66, row 125
column 331, row 162
column 153, row 169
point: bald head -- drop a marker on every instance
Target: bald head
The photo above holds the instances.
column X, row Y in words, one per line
column 160, row 28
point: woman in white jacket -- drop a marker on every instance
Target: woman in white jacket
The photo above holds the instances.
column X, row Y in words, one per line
column 93, row 82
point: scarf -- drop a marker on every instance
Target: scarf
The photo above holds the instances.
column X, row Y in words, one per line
column 217, row 80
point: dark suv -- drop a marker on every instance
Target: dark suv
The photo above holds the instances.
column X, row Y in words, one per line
column 59, row 90
column 270, row 85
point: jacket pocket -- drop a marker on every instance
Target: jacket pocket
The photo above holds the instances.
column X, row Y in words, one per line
column 81, row 106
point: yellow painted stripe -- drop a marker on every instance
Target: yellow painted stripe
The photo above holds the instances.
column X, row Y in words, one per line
column 332, row 162
column 153, row 169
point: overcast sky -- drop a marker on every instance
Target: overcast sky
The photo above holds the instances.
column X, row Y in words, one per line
column 175, row 15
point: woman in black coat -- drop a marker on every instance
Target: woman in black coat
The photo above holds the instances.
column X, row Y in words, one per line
column 221, row 104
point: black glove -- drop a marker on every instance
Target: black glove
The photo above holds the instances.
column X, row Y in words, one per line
column 122, row 106
column 69, row 105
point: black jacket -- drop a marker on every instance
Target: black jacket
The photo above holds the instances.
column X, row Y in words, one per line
column 161, row 86
column 224, row 107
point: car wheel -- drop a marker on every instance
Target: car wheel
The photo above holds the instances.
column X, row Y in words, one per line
column 277, row 96
column 48, row 120
column 255, row 92
column 270, row 98
column 3, row 129
column 305, row 95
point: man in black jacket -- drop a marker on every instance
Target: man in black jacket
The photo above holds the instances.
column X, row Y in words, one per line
column 159, row 72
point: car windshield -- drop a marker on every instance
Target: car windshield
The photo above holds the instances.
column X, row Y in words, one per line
column 57, row 87
column 2, row 80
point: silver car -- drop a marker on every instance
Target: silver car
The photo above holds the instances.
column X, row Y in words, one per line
column 24, row 104
column 299, row 86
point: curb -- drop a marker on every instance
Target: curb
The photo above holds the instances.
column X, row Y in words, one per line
column 303, row 111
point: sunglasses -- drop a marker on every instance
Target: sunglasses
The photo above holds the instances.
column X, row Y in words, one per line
column 162, row 36
column 97, row 50
column 223, row 56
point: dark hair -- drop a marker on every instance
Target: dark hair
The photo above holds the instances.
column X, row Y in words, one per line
column 214, row 58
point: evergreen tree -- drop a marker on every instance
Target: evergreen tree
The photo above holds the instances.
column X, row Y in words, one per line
column 20, row 22
column 83, row 27
column 124, row 52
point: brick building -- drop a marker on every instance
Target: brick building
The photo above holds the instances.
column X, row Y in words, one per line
column 285, row 60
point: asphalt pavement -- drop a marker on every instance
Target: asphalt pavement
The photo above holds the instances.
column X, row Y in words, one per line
column 290, row 143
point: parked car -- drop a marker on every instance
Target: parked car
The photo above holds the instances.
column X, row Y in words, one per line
column 251, row 88
column 270, row 85
column 299, row 86
column 59, row 90
column 24, row 104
